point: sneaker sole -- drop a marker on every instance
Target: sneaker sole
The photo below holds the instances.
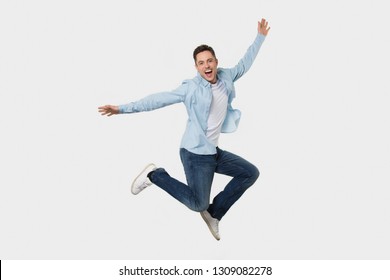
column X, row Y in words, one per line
column 210, row 228
column 139, row 175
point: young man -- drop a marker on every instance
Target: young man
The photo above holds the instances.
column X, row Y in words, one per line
column 208, row 99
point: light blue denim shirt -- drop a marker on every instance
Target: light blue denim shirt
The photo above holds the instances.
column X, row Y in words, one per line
column 196, row 95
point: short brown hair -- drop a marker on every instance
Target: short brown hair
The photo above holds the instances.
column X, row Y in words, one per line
column 203, row 48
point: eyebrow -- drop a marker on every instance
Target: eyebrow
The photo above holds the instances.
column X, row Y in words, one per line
column 201, row 61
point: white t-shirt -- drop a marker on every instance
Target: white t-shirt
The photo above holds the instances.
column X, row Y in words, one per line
column 217, row 112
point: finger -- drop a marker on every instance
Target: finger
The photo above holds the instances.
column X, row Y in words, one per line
column 105, row 111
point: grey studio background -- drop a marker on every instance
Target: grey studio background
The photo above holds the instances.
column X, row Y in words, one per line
column 315, row 120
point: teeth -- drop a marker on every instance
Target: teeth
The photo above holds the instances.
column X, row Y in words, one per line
column 208, row 71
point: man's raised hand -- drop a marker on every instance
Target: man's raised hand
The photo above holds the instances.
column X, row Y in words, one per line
column 262, row 27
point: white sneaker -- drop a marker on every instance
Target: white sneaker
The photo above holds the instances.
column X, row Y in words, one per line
column 212, row 223
column 142, row 181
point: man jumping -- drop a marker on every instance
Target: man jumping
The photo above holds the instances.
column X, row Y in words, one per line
column 208, row 99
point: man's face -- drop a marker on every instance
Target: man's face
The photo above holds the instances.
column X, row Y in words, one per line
column 206, row 64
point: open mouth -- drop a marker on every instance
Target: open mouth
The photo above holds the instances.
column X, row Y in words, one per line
column 208, row 73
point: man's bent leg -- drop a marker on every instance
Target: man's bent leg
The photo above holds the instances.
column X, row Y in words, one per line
column 199, row 170
column 244, row 175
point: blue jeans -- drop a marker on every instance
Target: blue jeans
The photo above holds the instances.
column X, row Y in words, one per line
column 199, row 171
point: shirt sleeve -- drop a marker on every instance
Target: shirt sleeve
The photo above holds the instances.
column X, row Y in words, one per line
column 246, row 62
column 155, row 101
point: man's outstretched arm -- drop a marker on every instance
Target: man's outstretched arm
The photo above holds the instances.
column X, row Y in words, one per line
column 246, row 62
column 148, row 103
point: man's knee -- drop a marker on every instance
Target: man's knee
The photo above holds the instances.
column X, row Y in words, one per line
column 256, row 173
column 200, row 207
column 253, row 173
